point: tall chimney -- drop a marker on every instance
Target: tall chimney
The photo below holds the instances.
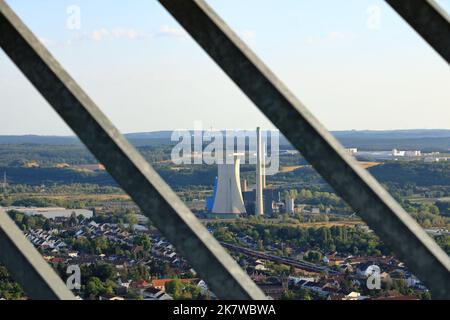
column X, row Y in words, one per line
column 263, row 159
column 259, row 209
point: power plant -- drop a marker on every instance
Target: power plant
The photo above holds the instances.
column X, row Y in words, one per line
column 229, row 190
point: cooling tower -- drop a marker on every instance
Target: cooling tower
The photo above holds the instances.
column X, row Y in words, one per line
column 228, row 197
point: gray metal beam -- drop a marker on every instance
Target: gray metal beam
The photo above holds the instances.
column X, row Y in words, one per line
column 354, row 184
column 154, row 197
column 26, row 265
column 429, row 20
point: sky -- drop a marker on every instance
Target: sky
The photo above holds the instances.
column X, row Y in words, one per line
column 354, row 63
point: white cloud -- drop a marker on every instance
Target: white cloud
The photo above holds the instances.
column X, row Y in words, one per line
column 98, row 35
column 115, row 33
column 172, row 32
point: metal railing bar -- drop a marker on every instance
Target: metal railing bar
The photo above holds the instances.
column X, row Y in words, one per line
column 429, row 20
column 354, row 184
column 136, row 177
column 26, row 265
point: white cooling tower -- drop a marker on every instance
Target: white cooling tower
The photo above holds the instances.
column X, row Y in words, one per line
column 229, row 195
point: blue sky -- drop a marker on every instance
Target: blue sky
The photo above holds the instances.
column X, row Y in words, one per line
column 354, row 63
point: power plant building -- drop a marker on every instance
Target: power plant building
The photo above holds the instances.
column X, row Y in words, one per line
column 231, row 196
column 289, row 203
column 270, row 196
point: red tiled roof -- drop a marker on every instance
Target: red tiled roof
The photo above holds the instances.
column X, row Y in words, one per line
column 141, row 284
column 162, row 282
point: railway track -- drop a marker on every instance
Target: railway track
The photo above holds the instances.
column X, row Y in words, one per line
column 310, row 267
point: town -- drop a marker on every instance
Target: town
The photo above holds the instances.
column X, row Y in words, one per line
column 290, row 232
column 131, row 260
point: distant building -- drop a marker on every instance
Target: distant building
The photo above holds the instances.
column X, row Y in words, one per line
column 160, row 284
column 394, row 154
column 315, row 210
column 398, row 153
column 153, row 293
column 414, row 153
column 270, row 197
column 289, row 203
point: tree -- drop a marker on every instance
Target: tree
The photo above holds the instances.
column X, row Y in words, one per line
column 95, row 287
column 9, row 289
column 101, row 244
column 143, row 240
column 73, row 221
column 425, row 295
column 103, row 271
column 46, row 226
column 131, row 219
column 313, row 256
column 174, row 288
column 82, row 244
column 183, row 290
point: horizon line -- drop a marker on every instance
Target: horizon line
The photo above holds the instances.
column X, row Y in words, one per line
column 205, row 129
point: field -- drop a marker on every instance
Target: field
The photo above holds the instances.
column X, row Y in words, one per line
column 328, row 224
column 369, row 164
column 97, row 197
column 289, row 168
column 364, row 164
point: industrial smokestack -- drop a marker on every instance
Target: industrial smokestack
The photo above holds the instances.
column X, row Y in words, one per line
column 263, row 159
column 259, row 209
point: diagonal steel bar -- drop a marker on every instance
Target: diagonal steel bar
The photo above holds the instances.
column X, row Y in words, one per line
column 429, row 20
column 26, row 265
column 155, row 198
column 354, row 184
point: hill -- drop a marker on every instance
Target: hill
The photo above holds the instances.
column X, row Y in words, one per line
column 417, row 139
